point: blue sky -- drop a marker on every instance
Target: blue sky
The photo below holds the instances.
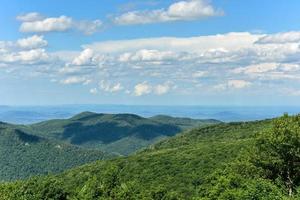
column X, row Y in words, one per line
column 188, row 52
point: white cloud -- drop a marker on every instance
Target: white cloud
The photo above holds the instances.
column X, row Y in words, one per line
column 107, row 87
column 33, row 22
column 145, row 88
column 142, row 89
column 59, row 24
column 89, row 27
column 162, row 88
column 25, row 51
column 201, row 44
column 150, row 56
column 192, row 9
column 76, row 80
column 182, row 10
column 270, row 71
column 281, row 38
column 29, row 17
column 258, row 68
column 32, row 56
column 85, row 58
column 32, row 42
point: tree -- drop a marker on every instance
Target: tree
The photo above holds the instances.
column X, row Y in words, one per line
column 278, row 151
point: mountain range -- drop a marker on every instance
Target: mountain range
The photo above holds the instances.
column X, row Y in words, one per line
column 56, row 145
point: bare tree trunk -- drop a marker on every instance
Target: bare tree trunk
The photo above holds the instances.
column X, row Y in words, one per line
column 289, row 183
column 290, row 191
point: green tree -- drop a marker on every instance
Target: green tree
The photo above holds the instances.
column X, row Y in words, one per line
column 278, row 151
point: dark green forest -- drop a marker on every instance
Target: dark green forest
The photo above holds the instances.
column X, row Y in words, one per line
column 244, row 160
column 23, row 155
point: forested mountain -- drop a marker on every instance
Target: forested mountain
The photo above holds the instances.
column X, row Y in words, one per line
column 253, row 160
column 121, row 134
column 23, row 155
column 56, row 145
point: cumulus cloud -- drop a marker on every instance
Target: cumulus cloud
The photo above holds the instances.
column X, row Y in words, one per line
column 85, row 62
column 150, row 56
column 280, row 38
column 29, row 17
column 25, row 51
column 33, row 56
column 85, row 58
column 34, row 23
column 52, row 24
column 162, row 88
column 108, row 87
column 142, row 89
column 30, row 56
column 145, row 88
column 32, row 42
column 179, row 11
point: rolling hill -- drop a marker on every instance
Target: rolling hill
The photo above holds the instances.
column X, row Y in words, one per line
column 121, row 134
column 23, row 155
column 205, row 163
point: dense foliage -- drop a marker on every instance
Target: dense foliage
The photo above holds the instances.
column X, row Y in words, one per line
column 23, row 155
column 278, row 152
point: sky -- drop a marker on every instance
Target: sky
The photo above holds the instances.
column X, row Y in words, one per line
column 171, row 52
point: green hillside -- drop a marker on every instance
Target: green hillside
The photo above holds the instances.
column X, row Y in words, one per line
column 184, row 122
column 23, row 155
column 114, row 133
column 224, row 161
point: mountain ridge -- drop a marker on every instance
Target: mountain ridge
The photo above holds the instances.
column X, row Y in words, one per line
column 107, row 131
column 56, row 145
